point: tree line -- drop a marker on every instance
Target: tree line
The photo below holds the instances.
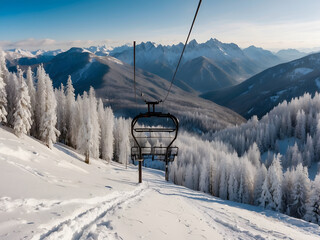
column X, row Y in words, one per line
column 30, row 105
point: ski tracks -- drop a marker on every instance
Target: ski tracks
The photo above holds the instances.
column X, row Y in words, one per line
column 237, row 226
column 93, row 223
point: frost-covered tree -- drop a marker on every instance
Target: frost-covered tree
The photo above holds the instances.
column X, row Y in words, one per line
column 96, row 131
column 122, row 141
column 308, row 153
column 61, row 113
column 106, row 121
column 293, row 156
column 254, row 155
column 300, row 131
column 300, row 191
column 12, row 85
column 275, row 176
column 3, row 99
column 84, row 140
column 40, row 99
column 22, row 115
column 32, row 94
column 271, row 195
column 259, row 179
column 48, row 119
column 89, row 131
column 313, row 205
column 71, row 115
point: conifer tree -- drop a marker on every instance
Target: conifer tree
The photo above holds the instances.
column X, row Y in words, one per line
column 95, row 129
column 313, row 205
column 3, row 99
column 300, row 192
column 260, row 177
column 12, row 86
column 22, row 115
column 71, row 115
column 84, row 140
column 40, row 99
column 48, row 119
column 32, row 94
column 61, row 113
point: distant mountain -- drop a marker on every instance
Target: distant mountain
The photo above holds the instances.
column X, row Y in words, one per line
column 260, row 93
column 262, row 57
column 228, row 57
column 202, row 74
column 228, row 63
column 113, row 81
column 290, row 54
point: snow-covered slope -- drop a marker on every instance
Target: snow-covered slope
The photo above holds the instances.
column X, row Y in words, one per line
column 53, row 194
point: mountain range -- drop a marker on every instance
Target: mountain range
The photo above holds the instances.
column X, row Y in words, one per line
column 212, row 65
column 205, row 66
column 113, row 82
column 260, row 93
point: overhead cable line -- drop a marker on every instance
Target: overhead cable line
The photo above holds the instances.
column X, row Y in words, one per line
column 185, row 44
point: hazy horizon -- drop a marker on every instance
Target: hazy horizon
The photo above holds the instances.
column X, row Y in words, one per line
column 49, row 25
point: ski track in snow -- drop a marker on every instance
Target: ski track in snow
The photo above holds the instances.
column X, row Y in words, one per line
column 81, row 225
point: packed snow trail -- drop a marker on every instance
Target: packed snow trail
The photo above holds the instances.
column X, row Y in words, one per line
column 75, row 227
column 53, row 194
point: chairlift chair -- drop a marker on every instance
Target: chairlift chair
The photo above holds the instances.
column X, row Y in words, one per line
column 141, row 133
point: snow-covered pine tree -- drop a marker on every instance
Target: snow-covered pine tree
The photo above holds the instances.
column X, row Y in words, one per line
column 259, row 179
column 308, row 152
column 254, row 155
column 40, row 99
column 106, row 121
column 109, row 133
column 122, row 142
column 12, row 85
column 71, row 115
column 300, row 129
column 32, row 94
column 22, row 115
column 3, row 99
column 313, row 205
column 61, row 113
column 48, row 120
column 275, row 178
column 287, row 186
column 84, row 140
column 96, row 131
column 266, row 197
column 300, row 191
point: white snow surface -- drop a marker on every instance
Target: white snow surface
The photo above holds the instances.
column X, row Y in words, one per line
column 53, row 194
column 303, row 71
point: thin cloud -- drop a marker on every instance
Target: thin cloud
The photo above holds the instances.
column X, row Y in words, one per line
column 51, row 44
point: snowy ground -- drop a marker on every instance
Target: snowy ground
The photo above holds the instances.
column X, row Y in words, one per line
column 52, row 194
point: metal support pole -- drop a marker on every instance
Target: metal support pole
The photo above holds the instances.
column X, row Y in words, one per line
column 140, row 170
column 167, row 172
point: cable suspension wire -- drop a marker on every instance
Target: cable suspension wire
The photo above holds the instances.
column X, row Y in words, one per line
column 134, row 71
column 185, row 44
column 134, row 77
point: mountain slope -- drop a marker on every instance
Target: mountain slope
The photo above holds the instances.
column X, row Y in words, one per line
column 53, row 194
column 113, row 81
column 202, row 74
column 260, row 93
column 290, row 54
column 263, row 58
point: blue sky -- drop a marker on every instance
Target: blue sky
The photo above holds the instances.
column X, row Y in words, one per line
column 49, row 24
